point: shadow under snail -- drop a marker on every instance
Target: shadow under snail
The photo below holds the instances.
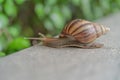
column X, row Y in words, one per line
column 77, row 33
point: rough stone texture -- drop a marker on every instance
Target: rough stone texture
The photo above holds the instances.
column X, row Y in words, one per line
column 45, row 63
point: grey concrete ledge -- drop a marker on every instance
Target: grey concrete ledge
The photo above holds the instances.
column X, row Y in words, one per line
column 45, row 63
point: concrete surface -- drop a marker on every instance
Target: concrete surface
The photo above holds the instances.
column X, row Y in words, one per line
column 44, row 63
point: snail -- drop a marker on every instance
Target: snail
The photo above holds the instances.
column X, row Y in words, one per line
column 78, row 33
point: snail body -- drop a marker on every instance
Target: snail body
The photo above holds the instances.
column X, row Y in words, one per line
column 78, row 33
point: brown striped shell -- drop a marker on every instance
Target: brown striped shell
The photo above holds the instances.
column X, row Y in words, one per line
column 83, row 31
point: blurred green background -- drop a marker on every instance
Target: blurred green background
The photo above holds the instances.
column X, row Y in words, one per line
column 25, row 18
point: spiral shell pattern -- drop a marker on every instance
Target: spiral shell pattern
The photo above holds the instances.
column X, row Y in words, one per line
column 83, row 31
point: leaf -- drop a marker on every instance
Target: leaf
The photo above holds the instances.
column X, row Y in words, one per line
column 47, row 9
column 2, row 54
column 3, row 20
column 98, row 12
column 67, row 14
column 20, row 1
column 57, row 18
column 1, row 1
column 14, row 30
column 50, row 2
column 10, row 8
column 86, row 9
column 17, row 44
column 3, row 42
column 76, row 2
column 39, row 10
column 105, row 5
column 48, row 25
column 118, row 2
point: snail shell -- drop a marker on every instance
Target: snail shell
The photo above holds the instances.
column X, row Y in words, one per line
column 83, row 31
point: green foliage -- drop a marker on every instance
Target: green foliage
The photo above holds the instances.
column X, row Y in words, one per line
column 86, row 9
column 16, row 45
column 19, row 1
column 21, row 18
column 14, row 30
column 2, row 54
column 39, row 10
column 1, row 1
column 10, row 8
column 3, row 20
